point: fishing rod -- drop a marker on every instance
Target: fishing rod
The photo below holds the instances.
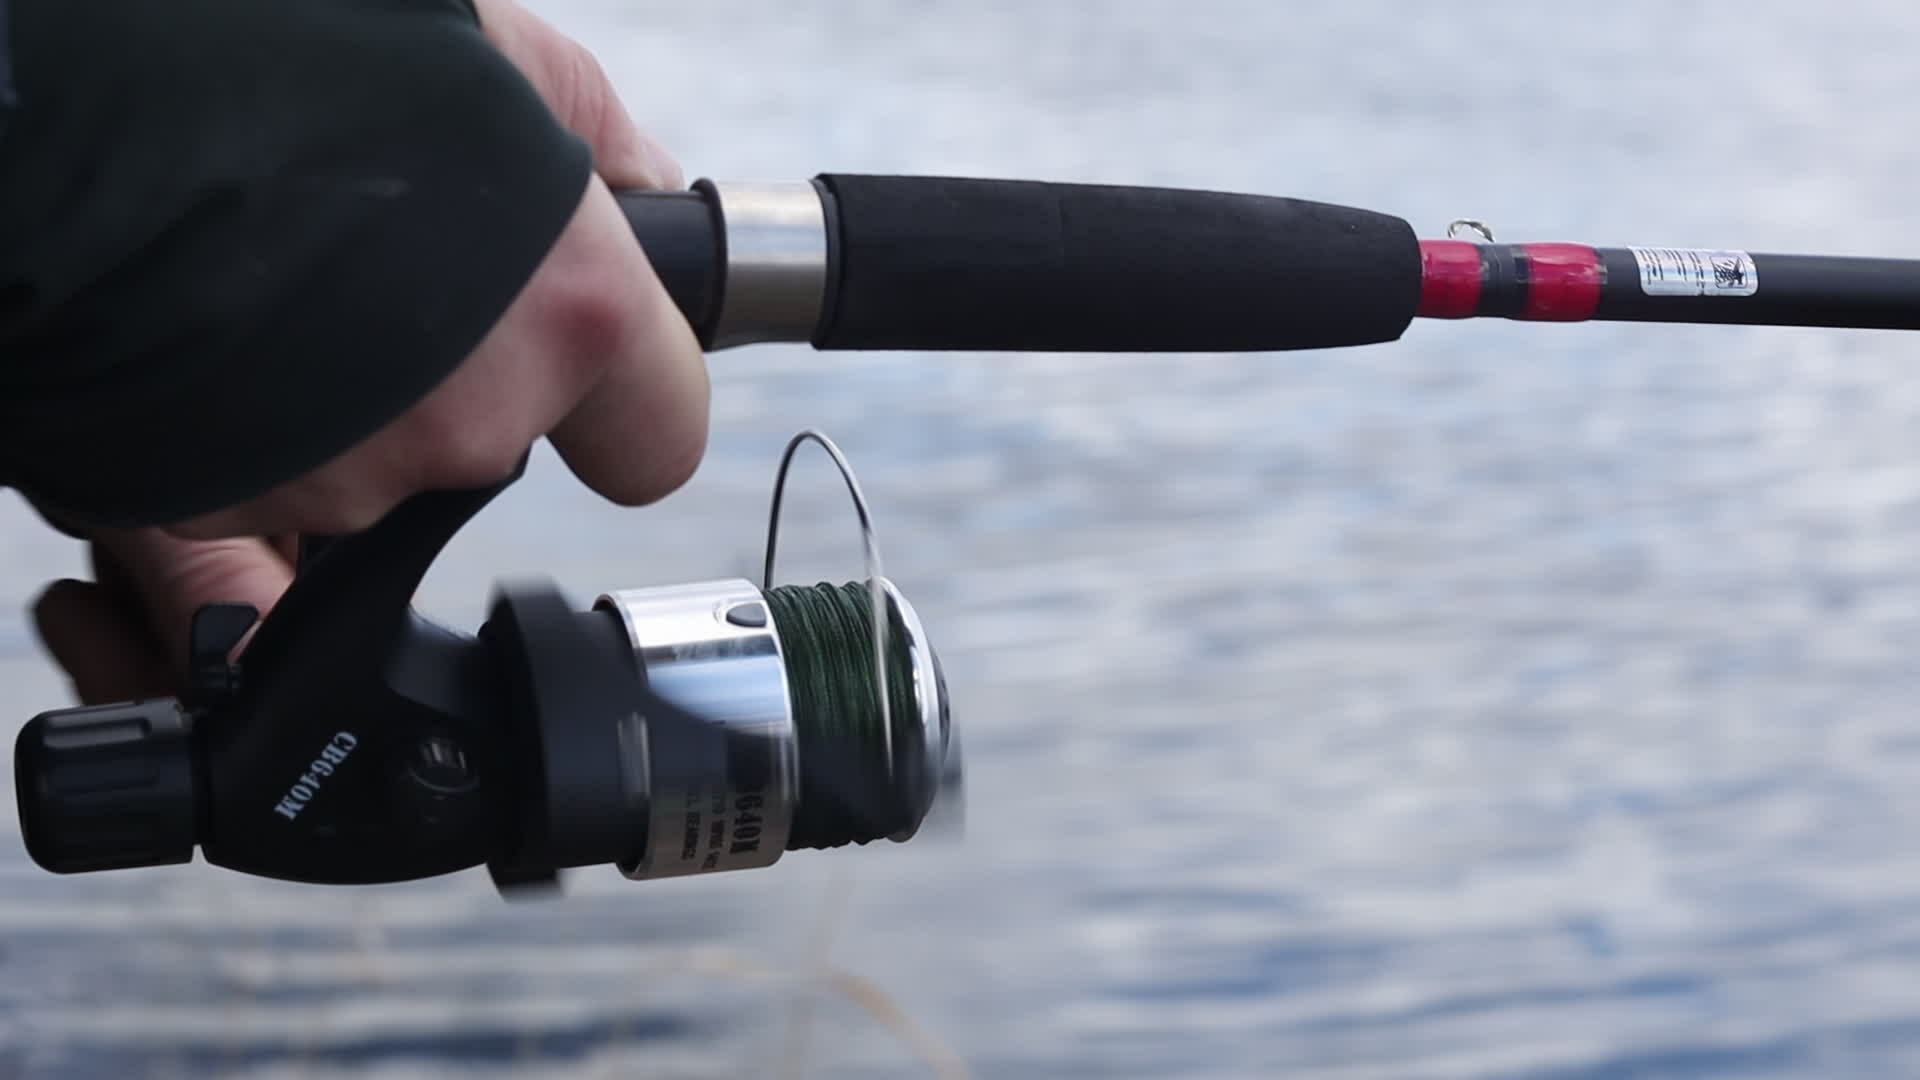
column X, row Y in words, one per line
column 897, row 262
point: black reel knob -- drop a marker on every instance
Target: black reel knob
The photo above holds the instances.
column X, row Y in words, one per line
column 108, row 787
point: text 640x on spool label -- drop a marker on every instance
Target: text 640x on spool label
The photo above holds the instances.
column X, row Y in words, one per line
column 1696, row 272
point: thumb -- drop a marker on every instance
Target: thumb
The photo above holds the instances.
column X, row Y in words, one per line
column 125, row 636
column 575, row 87
column 173, row 578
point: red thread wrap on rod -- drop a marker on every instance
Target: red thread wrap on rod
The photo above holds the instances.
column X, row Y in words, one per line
column 1563, row 282
column 1449, row 279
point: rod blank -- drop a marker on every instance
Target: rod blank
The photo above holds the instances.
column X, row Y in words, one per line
column 1789, row 290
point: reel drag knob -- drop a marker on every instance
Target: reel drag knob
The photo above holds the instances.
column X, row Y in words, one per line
column 108, row 787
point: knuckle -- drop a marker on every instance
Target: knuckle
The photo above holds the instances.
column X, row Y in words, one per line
column 586, row 91
column 200, row 568
column 196, row 572
column 590, row 315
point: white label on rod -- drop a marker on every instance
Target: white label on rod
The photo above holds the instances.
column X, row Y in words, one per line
column 1695, row 272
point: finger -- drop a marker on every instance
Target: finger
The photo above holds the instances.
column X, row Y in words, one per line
column 576, row 88
column 103, row 646
column 593, row 309
column 175, row 577
column 345, row 495
column 640, row 431
column 287, row 546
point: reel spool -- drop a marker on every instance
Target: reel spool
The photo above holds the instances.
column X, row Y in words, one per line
column 669, row 730
column 837, row 677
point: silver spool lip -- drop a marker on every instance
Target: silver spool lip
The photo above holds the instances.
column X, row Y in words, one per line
column 925, row 770
column 731, row 672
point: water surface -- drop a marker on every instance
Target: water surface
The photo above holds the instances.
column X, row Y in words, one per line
column 1508, row 701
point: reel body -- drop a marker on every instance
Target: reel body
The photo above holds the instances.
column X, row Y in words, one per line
column 357, row 742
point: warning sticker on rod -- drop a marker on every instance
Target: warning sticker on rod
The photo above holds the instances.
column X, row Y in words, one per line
column 1693, row 272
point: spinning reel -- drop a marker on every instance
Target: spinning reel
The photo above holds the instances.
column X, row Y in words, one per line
column 669, row 730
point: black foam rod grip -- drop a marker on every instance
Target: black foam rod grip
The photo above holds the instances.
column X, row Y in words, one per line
column 932, row 263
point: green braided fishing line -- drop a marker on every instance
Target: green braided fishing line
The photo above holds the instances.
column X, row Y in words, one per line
column 826, row 636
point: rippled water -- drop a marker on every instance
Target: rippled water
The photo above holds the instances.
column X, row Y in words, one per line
column 1511, row 700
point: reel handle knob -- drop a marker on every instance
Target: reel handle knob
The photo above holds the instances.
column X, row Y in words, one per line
column 108, row 787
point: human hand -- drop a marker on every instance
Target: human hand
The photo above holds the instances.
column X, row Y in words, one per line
column 591, row 354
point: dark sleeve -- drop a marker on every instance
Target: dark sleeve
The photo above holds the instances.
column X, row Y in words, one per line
column 238, row 236
column 6, row 69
